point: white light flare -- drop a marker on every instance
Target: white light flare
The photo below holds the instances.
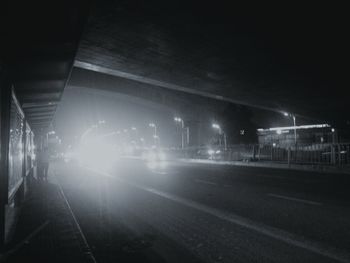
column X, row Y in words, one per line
column 97, row 154
column 211, row 152
column 216, row 126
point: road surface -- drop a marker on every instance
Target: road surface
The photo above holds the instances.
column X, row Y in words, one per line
column 187, row 212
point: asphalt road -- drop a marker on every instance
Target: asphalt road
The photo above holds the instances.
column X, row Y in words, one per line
column 186, row 212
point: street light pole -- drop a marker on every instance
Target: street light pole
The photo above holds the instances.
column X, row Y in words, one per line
column 155, row 136
column 182, row 134
column 177, row 119
column 294, row 125
column 225, row 142
column 333, row 135
column 295, row 130
column 221, row 132
column 187, row 136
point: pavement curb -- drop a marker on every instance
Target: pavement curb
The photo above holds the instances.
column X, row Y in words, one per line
column 87, row 252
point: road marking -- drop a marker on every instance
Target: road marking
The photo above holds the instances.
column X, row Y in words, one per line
column 294, row 199
column 275, row 233
column 204, row 182
column 278, row 234
column 295, row 179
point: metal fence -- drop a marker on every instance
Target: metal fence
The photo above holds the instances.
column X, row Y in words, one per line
column 323, row 154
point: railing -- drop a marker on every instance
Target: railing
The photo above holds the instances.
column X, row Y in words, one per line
column 322, row 154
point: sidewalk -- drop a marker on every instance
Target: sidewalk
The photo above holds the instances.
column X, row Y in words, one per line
column 275, row 165
column 46, row 230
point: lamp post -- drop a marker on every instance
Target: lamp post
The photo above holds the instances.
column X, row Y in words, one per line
column 217, row 127
column 294, row 125
column 333, row 135
column 179, row 120
column 155, row 136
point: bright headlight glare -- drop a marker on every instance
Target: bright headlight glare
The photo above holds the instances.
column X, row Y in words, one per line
column 210, row 152
column 96, row 154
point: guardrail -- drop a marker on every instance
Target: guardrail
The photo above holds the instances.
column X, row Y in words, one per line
column 321, row 154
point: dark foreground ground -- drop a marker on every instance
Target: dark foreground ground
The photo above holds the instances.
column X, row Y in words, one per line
column 178, row 212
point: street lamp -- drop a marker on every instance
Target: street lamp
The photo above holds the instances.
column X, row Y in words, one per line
column 217, row 127
column 179, row 120
column 294, row 124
